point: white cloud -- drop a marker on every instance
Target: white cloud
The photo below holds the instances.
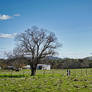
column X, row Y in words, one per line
column 5, row 17
column 8, row 35
column 16, row 15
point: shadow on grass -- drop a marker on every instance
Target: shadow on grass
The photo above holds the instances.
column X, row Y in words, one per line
column 12, row 76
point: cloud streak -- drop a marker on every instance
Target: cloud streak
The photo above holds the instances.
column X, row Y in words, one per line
column 8, row 35
column 16, row 15
column 7, row 17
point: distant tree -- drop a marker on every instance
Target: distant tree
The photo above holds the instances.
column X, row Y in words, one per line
column 37, row 44
column 81, row 64
column 15, row 58
column 2, row 63
column 85, row 64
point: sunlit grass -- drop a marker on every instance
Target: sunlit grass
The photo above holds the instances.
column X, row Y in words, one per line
column 46, row 81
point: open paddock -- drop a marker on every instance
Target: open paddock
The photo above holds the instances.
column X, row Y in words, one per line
column 46, row 81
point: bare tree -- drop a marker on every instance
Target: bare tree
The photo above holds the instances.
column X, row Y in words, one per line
column 37, row 43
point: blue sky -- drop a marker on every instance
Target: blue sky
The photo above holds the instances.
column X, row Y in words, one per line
column 71, row 20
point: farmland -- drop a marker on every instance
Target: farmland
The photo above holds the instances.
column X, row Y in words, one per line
column 46, row 81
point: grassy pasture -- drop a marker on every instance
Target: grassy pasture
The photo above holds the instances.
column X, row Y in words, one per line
column 46, row 81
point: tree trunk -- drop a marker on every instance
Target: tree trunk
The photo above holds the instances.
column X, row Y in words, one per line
column 33, row 70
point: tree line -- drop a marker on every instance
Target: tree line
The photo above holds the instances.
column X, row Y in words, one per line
column 66, row 63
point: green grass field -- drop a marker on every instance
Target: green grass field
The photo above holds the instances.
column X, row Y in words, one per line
column 46, row 81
